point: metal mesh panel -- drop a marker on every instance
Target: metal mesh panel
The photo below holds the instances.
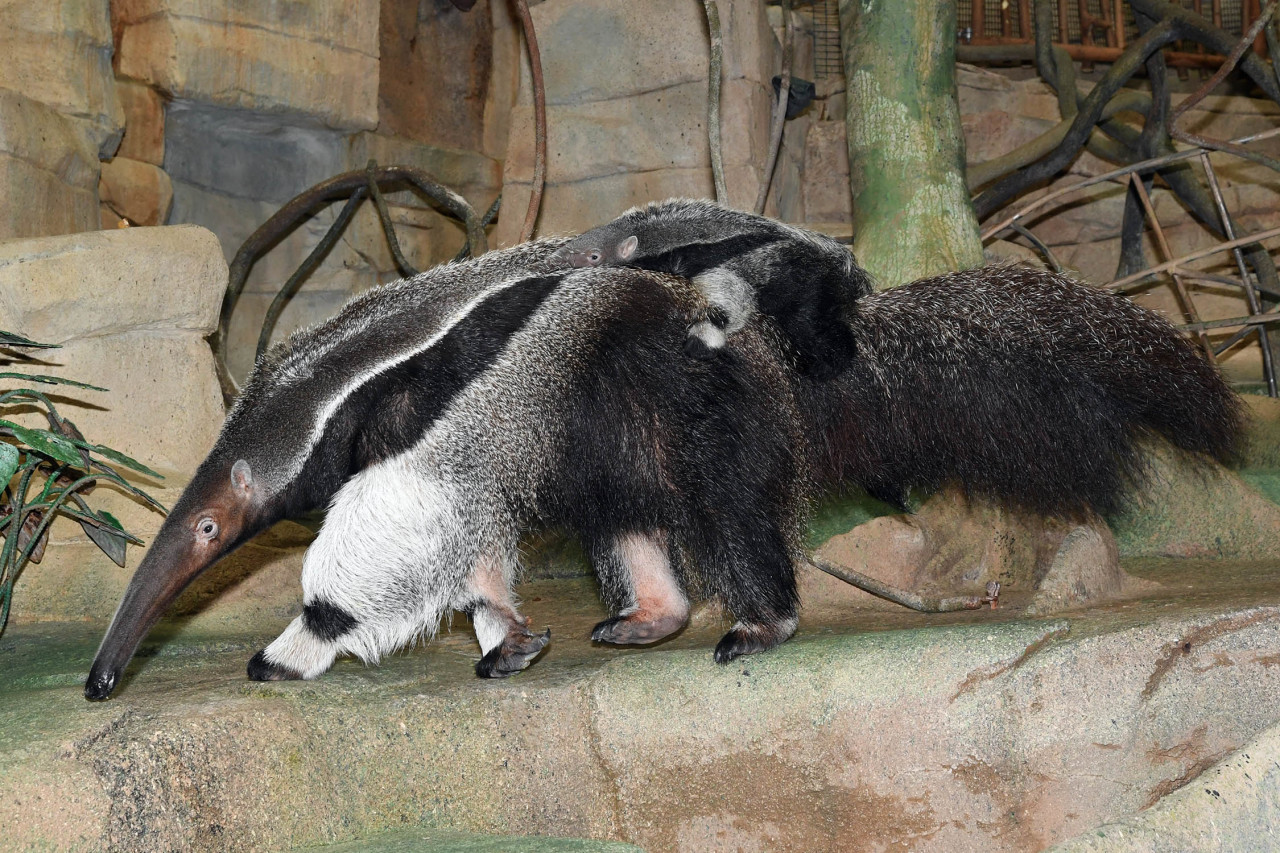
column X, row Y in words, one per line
column 997, row 13
column 827, row 61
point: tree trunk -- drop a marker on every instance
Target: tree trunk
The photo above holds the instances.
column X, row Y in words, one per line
column 911, row 212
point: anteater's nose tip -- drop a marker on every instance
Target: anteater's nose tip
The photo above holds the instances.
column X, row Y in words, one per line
column 100, row 684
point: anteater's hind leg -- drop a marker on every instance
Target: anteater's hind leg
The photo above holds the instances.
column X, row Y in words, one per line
column 749, row 568
column 636, row 570
column 503, row 633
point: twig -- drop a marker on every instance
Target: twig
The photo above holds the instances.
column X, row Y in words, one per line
column 1251, row 320
column 1196, row 27
column 1200, row 94
column 1143, row 166
column 1039, row 244
column 779, row 108
column 713, row 101
column 1179, row 287
column 1082, row 124
column 539, row 120
column 1250, row 293
column 402, row 265
column 302, row 207
column 908, row 599
column 299, row 275
column 484, row 223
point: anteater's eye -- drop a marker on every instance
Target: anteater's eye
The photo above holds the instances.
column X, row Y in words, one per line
column 207, row 528
column 595, row 257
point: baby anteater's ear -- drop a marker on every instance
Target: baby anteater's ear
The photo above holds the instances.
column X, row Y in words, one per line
column 628, row 248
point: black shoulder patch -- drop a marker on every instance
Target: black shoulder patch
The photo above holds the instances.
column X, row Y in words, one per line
column 327, row 621
column 390, row 412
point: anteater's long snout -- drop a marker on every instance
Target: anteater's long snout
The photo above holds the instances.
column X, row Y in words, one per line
column 165, row 571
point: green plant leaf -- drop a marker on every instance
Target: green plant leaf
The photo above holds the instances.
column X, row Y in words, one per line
column 9, row 462
column 117, row 456
column 111, row 544
column 110, row 519
column 49, row 380
column 9, row 339
column 44, row 442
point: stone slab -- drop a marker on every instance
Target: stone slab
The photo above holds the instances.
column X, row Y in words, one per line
column 439, row 95
column 49, row 205
column 622, row 48
column 662, row 129
column 348, row 24
column 826, row 173
column 965, row 731
column 137, row 191
column 1191, row 510
column 143, row 122
column 182, row 49
column 163, row 406
column 58, row 52
column 246, row 154
column 56, row 290
column 1234, row 805
column 47, row 140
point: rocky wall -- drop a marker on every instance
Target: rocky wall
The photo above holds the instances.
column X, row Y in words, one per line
column 58, row 113
column 626, row 87
column 130, row 309
column 233, row 110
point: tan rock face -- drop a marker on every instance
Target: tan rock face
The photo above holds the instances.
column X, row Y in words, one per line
column 58, row 52
column 143, row 122
column 48, row 170
column 137, row 191
column 435, row 62
column 627, row 116
column 826, row 173
column 319, row 59
column 130, row 309
column 89, row 285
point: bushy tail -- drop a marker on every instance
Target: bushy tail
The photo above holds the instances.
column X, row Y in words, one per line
column 1017, row 385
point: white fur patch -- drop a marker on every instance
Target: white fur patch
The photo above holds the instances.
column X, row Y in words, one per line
column 301, row 651
column 709, row 334
column 389, row 556
column 729, row 292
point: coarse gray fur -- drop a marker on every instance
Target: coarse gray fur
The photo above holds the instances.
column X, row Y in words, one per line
column 436, row 529
column 297, row 385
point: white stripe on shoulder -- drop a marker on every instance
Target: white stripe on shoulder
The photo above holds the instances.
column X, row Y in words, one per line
column 344, row 393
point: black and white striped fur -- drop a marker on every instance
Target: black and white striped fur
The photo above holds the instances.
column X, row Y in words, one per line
column 675, row 473
column 743, row 263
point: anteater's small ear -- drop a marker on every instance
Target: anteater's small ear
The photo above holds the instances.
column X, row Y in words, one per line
column 628, row 248
column 241, row 476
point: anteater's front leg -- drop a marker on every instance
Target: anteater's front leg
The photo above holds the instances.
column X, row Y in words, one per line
column 503, row 633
